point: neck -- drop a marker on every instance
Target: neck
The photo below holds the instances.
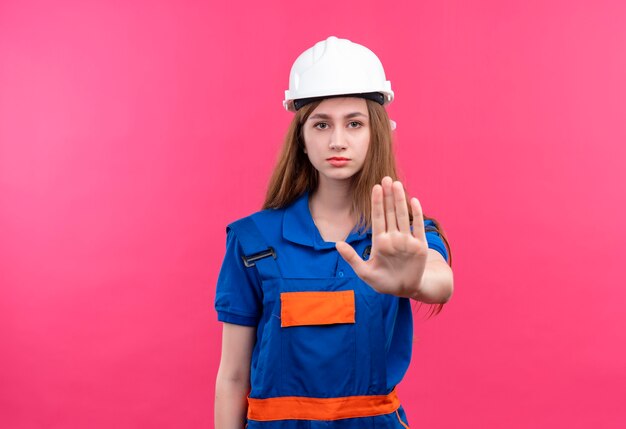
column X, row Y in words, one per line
column 331, row 199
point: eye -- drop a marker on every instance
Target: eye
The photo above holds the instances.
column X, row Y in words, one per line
column 321, row 126
column 354, row 124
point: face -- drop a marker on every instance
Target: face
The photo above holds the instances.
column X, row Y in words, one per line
column 337, row 136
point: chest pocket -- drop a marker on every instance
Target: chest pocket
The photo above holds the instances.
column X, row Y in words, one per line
column 318, row 336
column 316, row 308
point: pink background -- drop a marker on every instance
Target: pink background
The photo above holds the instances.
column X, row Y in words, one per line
column 131, row 133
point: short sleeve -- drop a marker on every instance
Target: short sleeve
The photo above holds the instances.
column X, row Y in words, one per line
column 434, row 239
column 238, row 295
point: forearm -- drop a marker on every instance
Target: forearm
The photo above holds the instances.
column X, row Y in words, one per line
column 231, row 404
column 436, row 284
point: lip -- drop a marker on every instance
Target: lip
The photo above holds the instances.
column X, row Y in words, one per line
column 338, row 161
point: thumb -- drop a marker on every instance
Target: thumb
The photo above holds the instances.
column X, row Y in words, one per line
column 348, row 253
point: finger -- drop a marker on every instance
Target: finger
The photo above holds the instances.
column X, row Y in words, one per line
column 418, row 220
column 402, row 210
column 390, row 210
column 348, row 253
column 378, row 211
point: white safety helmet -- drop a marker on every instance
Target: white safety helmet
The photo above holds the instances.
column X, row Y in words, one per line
column 336, row 67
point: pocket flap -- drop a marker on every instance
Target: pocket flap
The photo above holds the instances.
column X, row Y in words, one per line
column 316, row 308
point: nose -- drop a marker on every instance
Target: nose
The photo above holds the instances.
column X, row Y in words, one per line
column 337, row 139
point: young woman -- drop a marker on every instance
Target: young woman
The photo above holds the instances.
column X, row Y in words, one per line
column 315, row 289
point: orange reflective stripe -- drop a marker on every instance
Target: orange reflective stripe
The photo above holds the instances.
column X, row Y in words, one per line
column 316, row 308
column 303, row 408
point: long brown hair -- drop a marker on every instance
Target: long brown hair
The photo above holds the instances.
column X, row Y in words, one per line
column 294, row 174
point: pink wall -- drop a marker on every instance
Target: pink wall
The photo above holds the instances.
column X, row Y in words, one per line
column 130, row 134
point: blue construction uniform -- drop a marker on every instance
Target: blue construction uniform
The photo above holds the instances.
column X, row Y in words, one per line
column 331, row 357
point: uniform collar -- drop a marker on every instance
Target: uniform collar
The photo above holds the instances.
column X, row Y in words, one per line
column 298, row 226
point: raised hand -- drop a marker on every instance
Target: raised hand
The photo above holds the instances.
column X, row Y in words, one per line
column 398, row 255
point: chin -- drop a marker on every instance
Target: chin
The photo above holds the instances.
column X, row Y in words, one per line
column 342, row 177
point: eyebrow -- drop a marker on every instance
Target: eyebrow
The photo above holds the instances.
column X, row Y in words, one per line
column 348, row 116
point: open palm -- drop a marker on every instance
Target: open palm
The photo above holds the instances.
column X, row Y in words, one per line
column 398, row 255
